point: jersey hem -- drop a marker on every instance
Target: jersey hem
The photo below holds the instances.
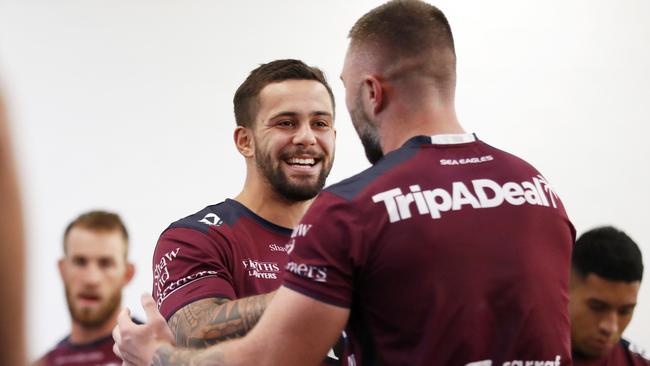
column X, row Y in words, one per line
column 316, row 296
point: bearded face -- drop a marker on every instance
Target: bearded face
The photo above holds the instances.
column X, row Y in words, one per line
column 367, row 131
column 92, row 316
column 94, row 272
column 295, row 187
column 294, row 138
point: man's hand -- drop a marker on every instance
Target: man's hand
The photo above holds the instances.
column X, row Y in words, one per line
column 136, row 344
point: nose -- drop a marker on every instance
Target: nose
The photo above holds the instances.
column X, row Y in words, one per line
column 608, row 324
column 304, row 135
column 92, row 274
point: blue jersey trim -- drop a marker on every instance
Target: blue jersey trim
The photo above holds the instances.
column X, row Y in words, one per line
column 351, row 187
column 227, row 212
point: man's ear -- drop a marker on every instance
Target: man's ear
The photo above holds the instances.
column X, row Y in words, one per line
column 244, row 141
column 61, row 265
column 374, row 94
column 130, row 272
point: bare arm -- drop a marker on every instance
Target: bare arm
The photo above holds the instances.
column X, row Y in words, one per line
column 296, row 330
column 209, row 321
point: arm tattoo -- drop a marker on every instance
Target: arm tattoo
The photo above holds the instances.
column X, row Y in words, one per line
column 209, row 321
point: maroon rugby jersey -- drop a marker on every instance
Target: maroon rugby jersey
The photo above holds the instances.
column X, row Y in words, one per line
column 624, row 354
column 96, row 353
column 446, row 253
column 222, row 251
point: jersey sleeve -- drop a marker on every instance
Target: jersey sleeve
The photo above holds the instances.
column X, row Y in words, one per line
column 189, row 265
column 326, row 251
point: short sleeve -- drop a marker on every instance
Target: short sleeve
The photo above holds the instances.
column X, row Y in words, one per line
column 326, row 251
column 189, row 265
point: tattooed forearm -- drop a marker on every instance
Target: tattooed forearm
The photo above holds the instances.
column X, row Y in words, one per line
column 170, row 356
column 209, row 321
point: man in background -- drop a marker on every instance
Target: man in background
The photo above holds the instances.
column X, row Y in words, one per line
column 606, row 274
column 94, row 270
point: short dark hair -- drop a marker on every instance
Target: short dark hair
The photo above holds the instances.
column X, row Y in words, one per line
column 98, row 220
column 609, row 253
column 246, row 98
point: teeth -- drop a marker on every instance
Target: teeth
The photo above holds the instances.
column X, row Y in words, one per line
column 309, row 161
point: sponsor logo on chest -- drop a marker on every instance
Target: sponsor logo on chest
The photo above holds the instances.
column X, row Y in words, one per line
column 262, row 270
column 480, row 193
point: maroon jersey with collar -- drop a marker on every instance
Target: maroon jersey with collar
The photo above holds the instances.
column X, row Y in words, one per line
column 446, row 253
column 624, row 354
column 96, row 353
column 223, row 251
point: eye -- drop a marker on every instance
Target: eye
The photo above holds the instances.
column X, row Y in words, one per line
column 285, row 123
column 321, row 123
column 106, row 262
column 597, row 306
column 79, row 261
column 625, row 311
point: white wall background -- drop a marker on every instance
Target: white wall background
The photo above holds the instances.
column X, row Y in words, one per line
column 126, row 105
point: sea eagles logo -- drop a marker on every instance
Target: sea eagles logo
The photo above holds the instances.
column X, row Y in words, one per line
column 211, row 219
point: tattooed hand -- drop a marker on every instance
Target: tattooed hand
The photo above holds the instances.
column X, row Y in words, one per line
column 136, row 344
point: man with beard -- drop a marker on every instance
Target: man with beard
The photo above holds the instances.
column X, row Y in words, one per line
column 94, row 270
column 446, row 251
column 606, row 274
column 216, row 270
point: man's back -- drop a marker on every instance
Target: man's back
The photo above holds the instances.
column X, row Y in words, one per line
column 446, row 254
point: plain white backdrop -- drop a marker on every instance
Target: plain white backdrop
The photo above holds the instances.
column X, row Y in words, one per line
column 127, row 106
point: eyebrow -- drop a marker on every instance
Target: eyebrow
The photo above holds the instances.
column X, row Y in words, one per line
column 294, row 114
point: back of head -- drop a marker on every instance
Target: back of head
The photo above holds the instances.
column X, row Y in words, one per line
column 98, row 220
column 412, row 37
column 246, row 99
column 608, row 253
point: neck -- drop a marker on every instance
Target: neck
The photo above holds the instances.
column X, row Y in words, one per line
column 81, row 334
column 259, row 197
column 408, row 119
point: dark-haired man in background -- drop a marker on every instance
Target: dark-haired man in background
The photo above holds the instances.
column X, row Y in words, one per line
column 216, row 270
column 94, row 271
column 606, row 274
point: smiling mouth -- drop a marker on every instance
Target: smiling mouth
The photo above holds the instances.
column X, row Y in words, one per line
column 302, row 162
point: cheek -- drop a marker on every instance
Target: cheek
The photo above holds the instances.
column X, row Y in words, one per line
column 271, row 145
column 582, row 318
column 114, row 278
column 328, row 142
column 623, row 321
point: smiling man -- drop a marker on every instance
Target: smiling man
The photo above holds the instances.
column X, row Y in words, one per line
column 94, row 270
column 216, row 270
column 607, row 269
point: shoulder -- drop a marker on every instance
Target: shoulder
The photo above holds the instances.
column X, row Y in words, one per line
column 508, row 158
column 209, row 217
column 43, row 360
column 348, row 189
column 636, row 352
